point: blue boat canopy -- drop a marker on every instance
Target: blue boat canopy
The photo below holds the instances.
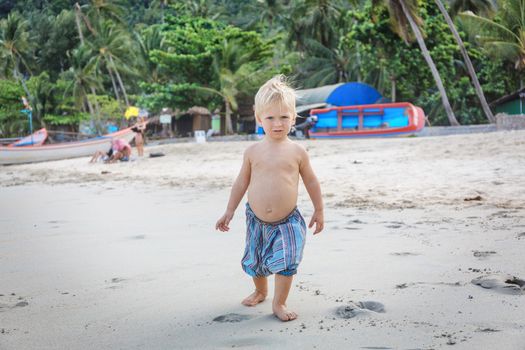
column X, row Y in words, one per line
column 351, row 94
column 343, row 94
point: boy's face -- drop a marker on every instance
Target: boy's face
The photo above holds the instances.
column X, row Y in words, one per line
column 276, row 120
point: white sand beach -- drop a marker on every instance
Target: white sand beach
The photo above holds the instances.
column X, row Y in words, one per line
column 125, row 256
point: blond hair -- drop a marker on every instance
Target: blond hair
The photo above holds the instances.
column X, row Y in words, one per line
column 275, row 90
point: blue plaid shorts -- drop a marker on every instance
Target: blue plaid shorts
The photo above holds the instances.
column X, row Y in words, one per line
column 273, row 248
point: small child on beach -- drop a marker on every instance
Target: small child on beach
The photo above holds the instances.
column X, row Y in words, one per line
column 270, row 172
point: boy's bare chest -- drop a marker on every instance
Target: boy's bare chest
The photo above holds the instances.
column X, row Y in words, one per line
column 271, row 163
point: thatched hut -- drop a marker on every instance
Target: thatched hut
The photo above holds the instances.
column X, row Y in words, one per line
column 195, row 118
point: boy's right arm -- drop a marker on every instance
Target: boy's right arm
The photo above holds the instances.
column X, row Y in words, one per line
column 238, row 190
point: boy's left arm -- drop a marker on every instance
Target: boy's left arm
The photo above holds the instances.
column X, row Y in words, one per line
column 314, row 190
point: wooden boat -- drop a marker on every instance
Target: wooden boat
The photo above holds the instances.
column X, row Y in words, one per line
column 32, row 154
column 35, row 139
column 384, row 119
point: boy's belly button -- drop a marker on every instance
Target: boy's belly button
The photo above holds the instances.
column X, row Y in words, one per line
column 268, row 210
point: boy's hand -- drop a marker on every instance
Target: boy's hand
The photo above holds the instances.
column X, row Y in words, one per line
column 223, row 222
column 318, row 220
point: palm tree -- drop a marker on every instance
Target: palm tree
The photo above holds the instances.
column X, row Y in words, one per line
column 83, row 79
column 324, row 66
column 403, row 13
column 232, row 65
column 503, row 38
column 466, row 58
column 266, row 13
column 485, row 8
column 14, row 45
column 148, row 40
column 108, row 9
column 315, row 19
column 110, row 46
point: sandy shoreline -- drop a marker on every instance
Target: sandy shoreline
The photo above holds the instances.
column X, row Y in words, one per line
column 129, row 259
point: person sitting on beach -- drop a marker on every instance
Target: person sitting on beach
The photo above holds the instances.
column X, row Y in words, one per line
column 103, row 156
column 270, row 172
column 121, row 150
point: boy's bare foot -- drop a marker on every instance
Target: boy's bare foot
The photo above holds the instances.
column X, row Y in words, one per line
column 254, row 298
column 283, row 313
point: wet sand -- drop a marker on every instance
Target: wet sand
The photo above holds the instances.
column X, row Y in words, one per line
column 423, row 249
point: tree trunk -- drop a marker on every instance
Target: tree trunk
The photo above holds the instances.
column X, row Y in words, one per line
column 90, row 107
column 77, row 20
column 114, row 86
column 96, row 110
column 228, row 119
column 468, row 62
column 119, row 81
column 437, row 78
column 358, row 59
column 393, row 80
column 97, row 107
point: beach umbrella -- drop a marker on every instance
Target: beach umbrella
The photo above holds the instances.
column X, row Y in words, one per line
column 131, row 112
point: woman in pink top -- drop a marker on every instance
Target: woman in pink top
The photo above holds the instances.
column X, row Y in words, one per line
column 121, row 150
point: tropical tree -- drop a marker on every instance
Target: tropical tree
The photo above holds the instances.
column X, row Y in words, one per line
column 234, row 68
column 11, row 121
column 317, row 20
column 14, row 45
column 149, row 39
column 83, row 79
column 324, row 66
column 466, row 58
column 404, row 14
column 53, row 36
column 485, row 8
column 265, row 15
column 162, row 5
column 504, row 35
column 204, row 55
column 108, row 9
column 110, row 46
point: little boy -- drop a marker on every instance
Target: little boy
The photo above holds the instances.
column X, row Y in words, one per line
column 276, row 231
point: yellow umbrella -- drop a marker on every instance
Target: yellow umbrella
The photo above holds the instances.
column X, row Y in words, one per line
column 131, row 112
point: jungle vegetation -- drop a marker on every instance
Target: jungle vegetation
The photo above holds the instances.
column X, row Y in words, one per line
column 91, row 59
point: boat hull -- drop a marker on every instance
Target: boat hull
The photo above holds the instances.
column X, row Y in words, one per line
column 36, row 139
column 376, row 120
column 21, row 155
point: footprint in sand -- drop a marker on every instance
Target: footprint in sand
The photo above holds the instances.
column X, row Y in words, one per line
column 393, row 226
column 116, row 282
column 232, row 318
column 483, row 254
column 22, row 303
column 138, row 237
column 361, row 307
column 521, row 235
column 404, row 254
column 502, row 283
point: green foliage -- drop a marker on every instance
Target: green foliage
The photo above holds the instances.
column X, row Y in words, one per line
column 178, row 54
column 384, row 57
column 14, row 45
column 71, row 119
column 51, row 45
column 196, row 55
column 504, row 36
column 12, row 122
column 109, row 107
